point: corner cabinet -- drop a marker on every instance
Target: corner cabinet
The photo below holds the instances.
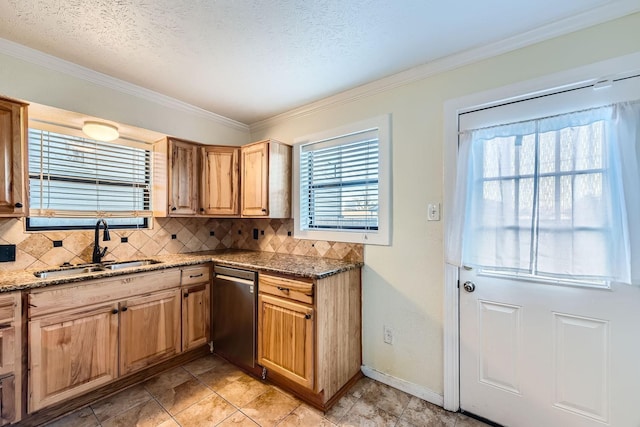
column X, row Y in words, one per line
column 10, row 358
column 309, row 334
column 266, row 179
column 183, row 178
column 13, row 137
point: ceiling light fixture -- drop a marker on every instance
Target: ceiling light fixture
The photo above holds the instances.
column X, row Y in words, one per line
column 100, row 131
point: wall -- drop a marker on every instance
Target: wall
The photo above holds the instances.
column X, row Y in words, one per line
column 403, row 282
column 36, row 250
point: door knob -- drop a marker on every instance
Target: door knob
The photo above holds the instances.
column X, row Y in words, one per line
column 469, row 286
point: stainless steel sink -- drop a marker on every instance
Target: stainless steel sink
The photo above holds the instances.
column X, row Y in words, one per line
column 130, row 264
column 64, row 272
column 79, row 270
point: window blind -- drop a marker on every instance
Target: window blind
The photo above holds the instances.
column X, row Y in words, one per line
column 70, row 176
column 339, row 183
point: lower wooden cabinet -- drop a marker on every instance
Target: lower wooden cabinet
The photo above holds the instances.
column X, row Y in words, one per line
column 196, row 315
column 72, row 352
column 149, row 329
column 309, row 334
column 286, row 338
column 10, row 358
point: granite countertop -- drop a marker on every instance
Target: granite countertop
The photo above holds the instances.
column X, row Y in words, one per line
column 292, row 265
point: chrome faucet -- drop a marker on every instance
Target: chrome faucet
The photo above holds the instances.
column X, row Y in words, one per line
column 99, row 252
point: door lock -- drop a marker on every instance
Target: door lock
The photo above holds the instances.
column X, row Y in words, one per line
column 469, row 286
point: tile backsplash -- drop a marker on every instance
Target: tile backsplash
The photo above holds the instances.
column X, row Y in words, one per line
column 168, row 236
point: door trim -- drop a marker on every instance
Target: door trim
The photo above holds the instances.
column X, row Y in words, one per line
column 588, row 74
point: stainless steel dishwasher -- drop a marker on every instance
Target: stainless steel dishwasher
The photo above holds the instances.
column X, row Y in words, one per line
column 234, row 314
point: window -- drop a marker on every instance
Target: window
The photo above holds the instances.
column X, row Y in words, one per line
column 74, row 180
column 341, row 184
column 554, row 197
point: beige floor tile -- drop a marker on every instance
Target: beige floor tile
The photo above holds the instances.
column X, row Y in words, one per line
column 81, row 418
column 204, row 364
column 365, row 414
column 167, row 380
column 148, row 414
column 387, row 398
column 422, row 413
column 183, row 395
column 243, row 390
column 341, row 408
column 169, row 423
column 208, row 412
column 238, row 419
column 118, row 403
column 220, row 376
column 361, row 387
column 304, row 416
column 269, row 408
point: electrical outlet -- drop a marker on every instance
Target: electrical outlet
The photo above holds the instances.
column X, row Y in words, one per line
column 387, row 334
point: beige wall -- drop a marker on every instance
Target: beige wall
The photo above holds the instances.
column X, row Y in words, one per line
column 403, row 283
column 34, row 83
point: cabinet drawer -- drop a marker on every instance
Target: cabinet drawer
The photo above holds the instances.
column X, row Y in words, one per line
column 296, row 290
column 199, row 274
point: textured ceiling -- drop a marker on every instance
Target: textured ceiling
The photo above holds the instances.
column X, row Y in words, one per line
column 252, row 59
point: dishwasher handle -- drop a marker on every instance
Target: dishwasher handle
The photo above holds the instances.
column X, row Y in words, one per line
column 234, row 279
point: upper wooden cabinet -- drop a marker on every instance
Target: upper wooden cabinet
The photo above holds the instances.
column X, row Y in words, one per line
column 266, row 179
column 13, row 137
column 183, row 177
column 220, row 185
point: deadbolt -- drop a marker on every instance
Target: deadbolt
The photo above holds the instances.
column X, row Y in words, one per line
column 469, row 286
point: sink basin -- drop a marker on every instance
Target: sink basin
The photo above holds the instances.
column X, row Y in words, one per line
column 130, row 264
column 91, row 268
column 64, row 272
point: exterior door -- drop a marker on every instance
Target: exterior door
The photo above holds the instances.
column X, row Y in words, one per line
column 534, row 354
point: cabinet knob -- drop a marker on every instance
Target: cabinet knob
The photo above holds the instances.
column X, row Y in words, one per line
column 264, row 210
column 201, row 209
column 123, row 309
column 186, row 294
column 18, row 205
column 174, row 208
column 114, row 311
column 307, row 316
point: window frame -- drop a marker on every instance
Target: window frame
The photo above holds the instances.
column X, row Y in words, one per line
column 381, row 236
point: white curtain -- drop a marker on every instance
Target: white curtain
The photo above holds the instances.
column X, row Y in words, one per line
column 551, row 197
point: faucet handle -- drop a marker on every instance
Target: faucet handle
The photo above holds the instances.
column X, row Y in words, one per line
column 103, row 252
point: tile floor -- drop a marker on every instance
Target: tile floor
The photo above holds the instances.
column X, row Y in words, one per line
column 211, row 392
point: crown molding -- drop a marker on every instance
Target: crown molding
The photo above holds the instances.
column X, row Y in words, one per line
column 51, row 62
column 555, row 29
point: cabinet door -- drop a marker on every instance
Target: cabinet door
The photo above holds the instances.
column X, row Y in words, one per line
column 255, row 179
column 7, row 400
column 72, row 352
column 285, row 338
column 183, row 170
column 220, row 183
column 12, row 140
column 196, row 315
column 149, row 329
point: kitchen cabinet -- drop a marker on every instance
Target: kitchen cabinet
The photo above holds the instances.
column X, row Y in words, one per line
column 79, row 332
column 196, row 306
column 183, row 177
column 220, row 183
column 10, row 358
column 309, row 334
column 149, row 329
column 265, row 179
column 13, row 137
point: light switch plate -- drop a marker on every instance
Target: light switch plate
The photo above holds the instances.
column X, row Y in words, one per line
column 433, row 212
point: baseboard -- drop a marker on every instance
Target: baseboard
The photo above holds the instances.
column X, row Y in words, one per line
column 406, row 386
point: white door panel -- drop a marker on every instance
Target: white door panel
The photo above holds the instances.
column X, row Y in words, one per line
column 534, row 354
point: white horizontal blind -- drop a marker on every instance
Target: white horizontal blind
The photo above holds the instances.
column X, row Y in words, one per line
column 339, row 183
column 71, row 176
